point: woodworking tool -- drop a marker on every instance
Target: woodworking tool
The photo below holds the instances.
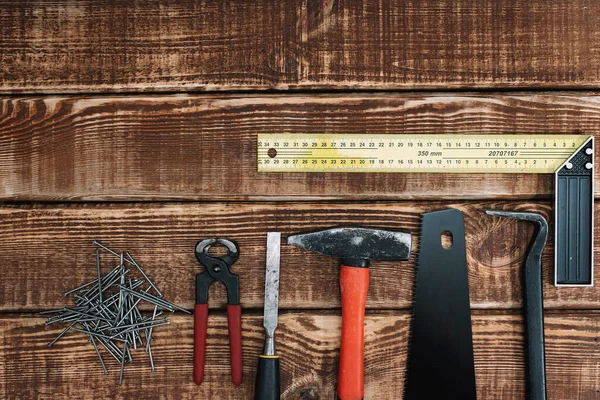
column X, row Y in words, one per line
column 440, row 361
column 267, row 375
column 534, row 307
column 107, row 312
column 218, row 269
column 574, row 219
column 355, row 247
column 569, row 157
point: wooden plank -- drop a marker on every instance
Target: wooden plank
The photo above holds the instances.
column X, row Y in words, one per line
column 58, row 46
column 308, row 344
column 204, row 147
column 47, row 250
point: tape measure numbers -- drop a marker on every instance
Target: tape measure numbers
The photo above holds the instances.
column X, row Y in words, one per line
column 569, row 157
column 415, row 153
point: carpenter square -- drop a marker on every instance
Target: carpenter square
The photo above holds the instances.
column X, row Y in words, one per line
column 267, row 375
column 440, row 355
column 569, row 157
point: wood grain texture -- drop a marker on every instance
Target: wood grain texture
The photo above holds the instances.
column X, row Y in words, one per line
column 76, row 142
column 204, row 147
column 308, row 344
column 160, row 45
column 47, row 250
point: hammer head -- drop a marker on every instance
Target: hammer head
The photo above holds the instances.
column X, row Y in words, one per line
column 357, row 245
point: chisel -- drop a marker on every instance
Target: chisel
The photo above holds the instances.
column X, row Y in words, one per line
column 267, row 375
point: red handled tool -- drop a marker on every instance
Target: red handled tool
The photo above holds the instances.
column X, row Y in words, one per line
column 355, row 247
column 217, row 269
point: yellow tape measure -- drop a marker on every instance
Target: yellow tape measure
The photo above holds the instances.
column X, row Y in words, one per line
column 533, row 154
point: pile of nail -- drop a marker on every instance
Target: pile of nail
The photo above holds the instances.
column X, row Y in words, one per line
column 107, row 310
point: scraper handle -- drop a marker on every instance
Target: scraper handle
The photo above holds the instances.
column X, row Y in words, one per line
column 354, row 283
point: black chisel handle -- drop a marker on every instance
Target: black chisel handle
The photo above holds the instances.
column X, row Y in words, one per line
column 267, row 378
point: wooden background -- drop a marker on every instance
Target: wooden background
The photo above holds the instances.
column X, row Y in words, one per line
column 135, row 123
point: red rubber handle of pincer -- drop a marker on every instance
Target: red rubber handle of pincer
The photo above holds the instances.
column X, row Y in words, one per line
column 200, row 324
column 234, row 325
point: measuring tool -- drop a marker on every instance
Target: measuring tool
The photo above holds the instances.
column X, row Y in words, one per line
column 568, row 157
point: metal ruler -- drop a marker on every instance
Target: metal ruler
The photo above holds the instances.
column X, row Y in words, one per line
column 532, row 154
column 569, row 157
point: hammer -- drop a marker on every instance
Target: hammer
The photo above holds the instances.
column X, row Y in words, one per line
column 355, row 247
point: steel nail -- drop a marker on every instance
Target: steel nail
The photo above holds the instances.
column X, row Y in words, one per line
column 151, row 358
column 62, row 333
column 125, row 350
column 144, row 274
column 99, row 275
column 149, row 336
column 96, row 348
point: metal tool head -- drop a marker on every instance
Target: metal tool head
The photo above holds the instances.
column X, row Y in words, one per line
column 203, row 246
column 542, row 232
column 271, row 290
column 217, row 268
column 356, row 246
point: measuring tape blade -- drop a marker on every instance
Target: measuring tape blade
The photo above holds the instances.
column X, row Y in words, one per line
column 529, row 154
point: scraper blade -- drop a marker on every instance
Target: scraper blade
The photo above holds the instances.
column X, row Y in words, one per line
column 440, row 356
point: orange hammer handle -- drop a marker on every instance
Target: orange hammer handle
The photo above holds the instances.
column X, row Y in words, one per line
column 354, row 283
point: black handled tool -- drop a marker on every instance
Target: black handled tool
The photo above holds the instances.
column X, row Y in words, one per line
column 534, row 307
column 267, row 375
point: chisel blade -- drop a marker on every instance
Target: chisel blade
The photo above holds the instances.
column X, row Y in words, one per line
column 272, row 282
